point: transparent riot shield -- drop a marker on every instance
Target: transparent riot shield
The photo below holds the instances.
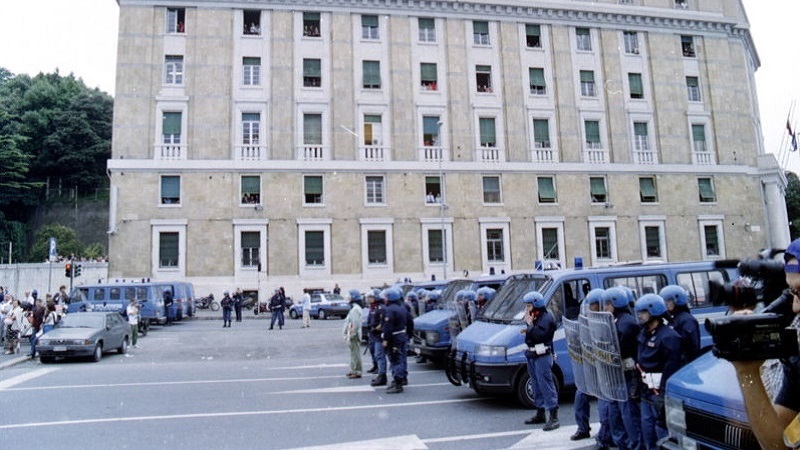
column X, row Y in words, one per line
column 572, row 329
column 607, row 356
column 589, row 370
column 458, row 318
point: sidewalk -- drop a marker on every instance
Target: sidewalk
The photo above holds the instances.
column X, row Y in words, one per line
column 12, row 359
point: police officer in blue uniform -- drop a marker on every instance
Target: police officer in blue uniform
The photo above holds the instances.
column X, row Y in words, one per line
column 541, row 326
column 682, row 321
column 625, row 417
column 580, row 405
column 395, row 338
column 375, row 327
column 659, row 357
column 485, row 295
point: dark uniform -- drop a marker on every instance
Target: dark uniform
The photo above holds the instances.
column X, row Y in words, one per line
column 395, row 337
column 276, row 306
column 227, row 307
column 167, row 296
column 237, row 305
column 374, row 327
column 687, row 327
column 625, row 417
column 539, row 339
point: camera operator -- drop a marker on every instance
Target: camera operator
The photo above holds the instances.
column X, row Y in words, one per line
column 769, row 420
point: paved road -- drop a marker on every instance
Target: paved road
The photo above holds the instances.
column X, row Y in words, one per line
column 197, row 385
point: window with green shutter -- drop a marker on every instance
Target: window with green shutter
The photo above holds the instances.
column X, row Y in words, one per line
column 371, row 74
column 583, row 39
column 311, row 24
column 597, row 188
column 315, row 248
column 430, row 131
column 547, row 189
column 427, row 29
column 168, row 249
column 541, row 133
column 171, row 124
column 251, row 246
column 592, row 129
column 312, row 129
column 487, row 131
column 647, row 190
column 537, row 82
column 635, row 83
column 587, row 83
column 312, row 73
column 170, row 190
column 480, row 32
column 376, row 246
column 312, row 189
column 533, row 36
column 369, row 27
column 428, row 76
column 491, row 190
column 251, row 190
column 706, row 190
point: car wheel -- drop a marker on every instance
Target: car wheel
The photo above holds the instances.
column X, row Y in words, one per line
column 98, row 352
column 46, row 359
column 123, row 348
column 322, row 315
column 293, row 314
column 215, row 306
column 524, row 390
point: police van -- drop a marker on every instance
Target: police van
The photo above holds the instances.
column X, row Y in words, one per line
column 489, row 355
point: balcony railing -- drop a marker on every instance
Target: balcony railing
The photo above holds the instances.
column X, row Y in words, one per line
column 544, row 154
column 431, row 153
column 170, row 151
column 645, row 157
column 703, row 158
column 490, row 154
column 251, row 152
column 312, row 153
column 375, row 153
column 595, row 156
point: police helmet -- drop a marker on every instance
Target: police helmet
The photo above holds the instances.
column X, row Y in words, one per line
column 469, row 296
column 459, row 295
column 652, row 303
column 675, row 293
column 534, row 298
column 595, row 296
column 487, row 293
column 392, row 294
column 616, row 297
column 226, row 293
column 355, row 296
column 629, row 293
column 412, row 295
column 434, row 295
column 792, row 251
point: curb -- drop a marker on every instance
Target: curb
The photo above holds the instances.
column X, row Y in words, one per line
column 14, row 361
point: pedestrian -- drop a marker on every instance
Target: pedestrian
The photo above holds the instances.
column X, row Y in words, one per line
column 377, row 311
column 237, row 304
column 276, row 306
column 395, row 338
column 351, row 331
column 541, row 326
column 659, row 356
column 306, row 308
column 168, row 301
column 132, row 311
column 227, row 308
column 13, row 324
column 682, row 321
column 336, row 289
column 36, row 317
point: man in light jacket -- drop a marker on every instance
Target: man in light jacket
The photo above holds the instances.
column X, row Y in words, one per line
column 352, row 334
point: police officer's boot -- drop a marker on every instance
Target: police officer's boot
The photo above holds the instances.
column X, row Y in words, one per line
column 374, row 369
column 380, row 380
column 395, row 388
column 538, row 418
column 552, row 424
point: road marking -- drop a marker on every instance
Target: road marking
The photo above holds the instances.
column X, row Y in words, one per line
column 470, row 437
column 409, row 442
column 231, row 414
column 5, row 384
column 555, row 440
column 330, row 390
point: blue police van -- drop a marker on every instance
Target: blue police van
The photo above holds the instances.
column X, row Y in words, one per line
column 432, row 329
column 489, row 355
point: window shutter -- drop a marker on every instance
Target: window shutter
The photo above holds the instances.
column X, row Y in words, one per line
column 691, row 81
column 372, row 73
column 369, row 21
column 313, row 185
column 427, row 23
column 533, row 30
column 430, row 125
column 251, row 117
column 491, row 184
column 251, row 239
column 251, row 185
column 310, row 16
column 172, row 123
column 640, row 129
column 312, row 129
column 537, row 76
column 587, row 76
column 698, row 133
column 428, row 72
column 480, row 27
column 592, row 130
column 171, row 187
column 487, row 131
column 312, row 68
column 635, row 81
column 706, row 189
column 597, row 186
column 647, row 187
column 547, row 189
column 541, row 130
column 582, row 31
column 251, row 61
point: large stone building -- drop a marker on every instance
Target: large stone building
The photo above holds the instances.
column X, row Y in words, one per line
column 360, row 142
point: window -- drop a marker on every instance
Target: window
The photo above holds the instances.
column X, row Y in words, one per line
column 550, row 244
column 693, row 89
column 251, row 247
column 533, row 36
column 631, row 39
column 597, row 190
column 433, row 190
column 641, row 140
column 697, row 285
column 312, row 190
column 251, row 23
column 170, row 190
column 602, row 243
column 711, row 235
column 376, row 246
column 706, row 189
column 541, row 133
column 537, row 83
column 176, row 20
column 435, row 246
column 494, row 245
column 312, row 129
column 487, row 131
column 251, row 124
column 168, row 250
column 491, row 190
column 652, row 238
column 480, row 32
column 375, row 190
column 687, row 46
column 312, row 73
column 483, row 78
column 315, row 248
column 373, row 130
column 427, row 29
column 251, row 190
column 635, row 83
column 547, row 189
column 647, row 190
column 587, row 83
column 430, row 131
column 171, row 128
column 251, row 71
column 699, row 138
column 592, row 129
column 583, row 39
column 173, row 69
column 429, row 78
column 682, row 4
column 371, row 76
column 311, row 24
column 369, row 27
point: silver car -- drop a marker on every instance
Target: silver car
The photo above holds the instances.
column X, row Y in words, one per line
column 85, row 334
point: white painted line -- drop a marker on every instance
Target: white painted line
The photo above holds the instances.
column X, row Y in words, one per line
column 325, row 410
column 330, row 390
column 409, row 442
column 470, row 437
column 554, row 440
column 5, row 384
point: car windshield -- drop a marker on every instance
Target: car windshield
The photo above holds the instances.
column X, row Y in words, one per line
column 507, row 306
column 78, row 320
column 449, row 292
column 333, row 297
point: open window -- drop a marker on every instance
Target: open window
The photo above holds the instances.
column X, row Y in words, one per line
column 251, row 24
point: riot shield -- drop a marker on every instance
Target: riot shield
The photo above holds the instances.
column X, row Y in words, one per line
column 572, row 329
column 589, row 370
column 458, row 318
column 607, row 356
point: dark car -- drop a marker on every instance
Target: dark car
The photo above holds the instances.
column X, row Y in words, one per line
column 85, row 334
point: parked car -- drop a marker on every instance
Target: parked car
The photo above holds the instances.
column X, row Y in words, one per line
column 323, row 305
column 85, row 334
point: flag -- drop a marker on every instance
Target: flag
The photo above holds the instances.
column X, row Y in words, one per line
column 789, row 128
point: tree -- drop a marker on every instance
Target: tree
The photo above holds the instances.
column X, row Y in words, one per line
column 793, row 204
column 66, row 238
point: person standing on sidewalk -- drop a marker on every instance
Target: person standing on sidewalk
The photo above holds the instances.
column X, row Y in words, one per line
column 306, row 310
column 227, row 307
column 12, row 323
column 352, row 334
column 237, row 303
column 132, row 312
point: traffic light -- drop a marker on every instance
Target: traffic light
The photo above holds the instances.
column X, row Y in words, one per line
column 68, row 270
column 77, row 270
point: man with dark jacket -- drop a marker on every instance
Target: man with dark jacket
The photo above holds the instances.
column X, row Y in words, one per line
column 276, row 306
column 237, row 304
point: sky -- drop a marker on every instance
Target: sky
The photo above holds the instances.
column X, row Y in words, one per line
column 80, row 37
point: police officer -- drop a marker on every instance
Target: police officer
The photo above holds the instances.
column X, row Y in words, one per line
column 227, row 308
column 395, row 338
column 375, row 326
column 682, row 320
column 659, row 358
column 625, row 416
column 412, row 300
column 485, row 295
column 277, row 303
column 167, row 297
column 237, row 304
column 470, row 298
column 581, row 403
column 541, row 326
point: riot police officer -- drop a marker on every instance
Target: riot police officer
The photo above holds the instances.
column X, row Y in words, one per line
column 682, row 321
column 375, row 326
column 485, row 295
column 659, row 356
column 167, row 297
column 471, row 309
column 412, row 300
column 541, row 326
column 625, row 417
column 580, row 404
column 395, row 338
